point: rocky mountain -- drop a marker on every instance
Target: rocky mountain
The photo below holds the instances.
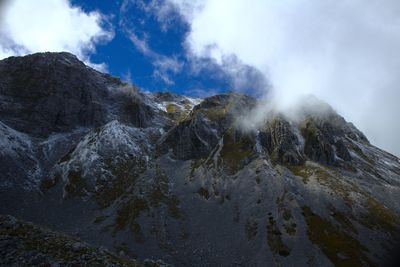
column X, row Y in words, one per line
column 169, row 177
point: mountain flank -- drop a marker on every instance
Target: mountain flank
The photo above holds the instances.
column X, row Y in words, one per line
column 166, row 179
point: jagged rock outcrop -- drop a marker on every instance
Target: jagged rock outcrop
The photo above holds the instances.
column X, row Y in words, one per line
column 321, row 143
column 282, row 142
column 191, row 139
column 180, row 179
column 197, row 135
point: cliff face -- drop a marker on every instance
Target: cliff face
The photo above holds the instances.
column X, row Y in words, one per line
column 177, row 178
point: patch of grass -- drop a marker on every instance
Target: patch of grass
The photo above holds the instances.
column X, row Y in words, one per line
column 156, row 196
column 204, row 193
column 379, row 216
column 160, row 194
column 127, row 215
column 274, row 239
column 251, row 229
column 177, row 113
column 300, row 171
column 172, row 108
column 48, row 183
column 76, row 184
column 236, row 149
column 125, row 174
column 290, row 228
column 289, row 225
column 325, row 177
column 214, row 114
column 341, row 248
column 343, row 220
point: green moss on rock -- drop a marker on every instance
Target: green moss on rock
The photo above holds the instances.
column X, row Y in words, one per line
column 203, row 192
column 274, row 239
column 379, row 216
column 251, row 229
column 236, row 151
column 128, row 214
column 340, row 247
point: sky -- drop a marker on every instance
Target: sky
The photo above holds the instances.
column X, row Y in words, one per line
column 344, row 52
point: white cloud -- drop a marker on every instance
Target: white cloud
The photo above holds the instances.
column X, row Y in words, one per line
column 51, row 25
column 201, row 92
column 163, row 66
column 345, row 52
column 163, row 11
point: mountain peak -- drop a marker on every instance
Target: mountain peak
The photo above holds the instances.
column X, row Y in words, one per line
column 47, row 58
column 161, row 175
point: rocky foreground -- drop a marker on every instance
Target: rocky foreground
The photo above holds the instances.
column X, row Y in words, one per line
column 23, row 244
column 180, row 179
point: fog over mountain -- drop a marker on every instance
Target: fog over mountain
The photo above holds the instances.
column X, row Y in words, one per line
column 344, row 52
column 163, row 133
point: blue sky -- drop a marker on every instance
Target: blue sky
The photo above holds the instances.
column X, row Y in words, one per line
column 125, row 59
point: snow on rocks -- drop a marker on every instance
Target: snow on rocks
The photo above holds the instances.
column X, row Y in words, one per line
column 104, row 150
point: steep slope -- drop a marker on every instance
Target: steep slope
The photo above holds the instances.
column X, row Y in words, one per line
column 178, row 178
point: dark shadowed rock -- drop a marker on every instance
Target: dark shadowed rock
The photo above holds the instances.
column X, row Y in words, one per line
column 191, row 139
column 281, row 141
column 45, row 93
column 55, row 92
column 197, row 135
column 324, row 141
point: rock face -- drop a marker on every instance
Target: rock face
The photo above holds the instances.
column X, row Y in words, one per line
column 46, row 93
column 161, row 177
column 278, row 137
column 199, row 133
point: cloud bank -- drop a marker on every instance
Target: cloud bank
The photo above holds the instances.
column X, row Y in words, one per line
column 344, row 52
column 50, row 25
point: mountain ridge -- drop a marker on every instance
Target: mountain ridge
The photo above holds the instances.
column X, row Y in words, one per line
column 179, row 178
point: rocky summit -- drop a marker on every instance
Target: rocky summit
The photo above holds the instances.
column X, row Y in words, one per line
column 108, row 175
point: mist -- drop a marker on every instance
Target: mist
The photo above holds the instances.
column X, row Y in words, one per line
column 343, row 52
